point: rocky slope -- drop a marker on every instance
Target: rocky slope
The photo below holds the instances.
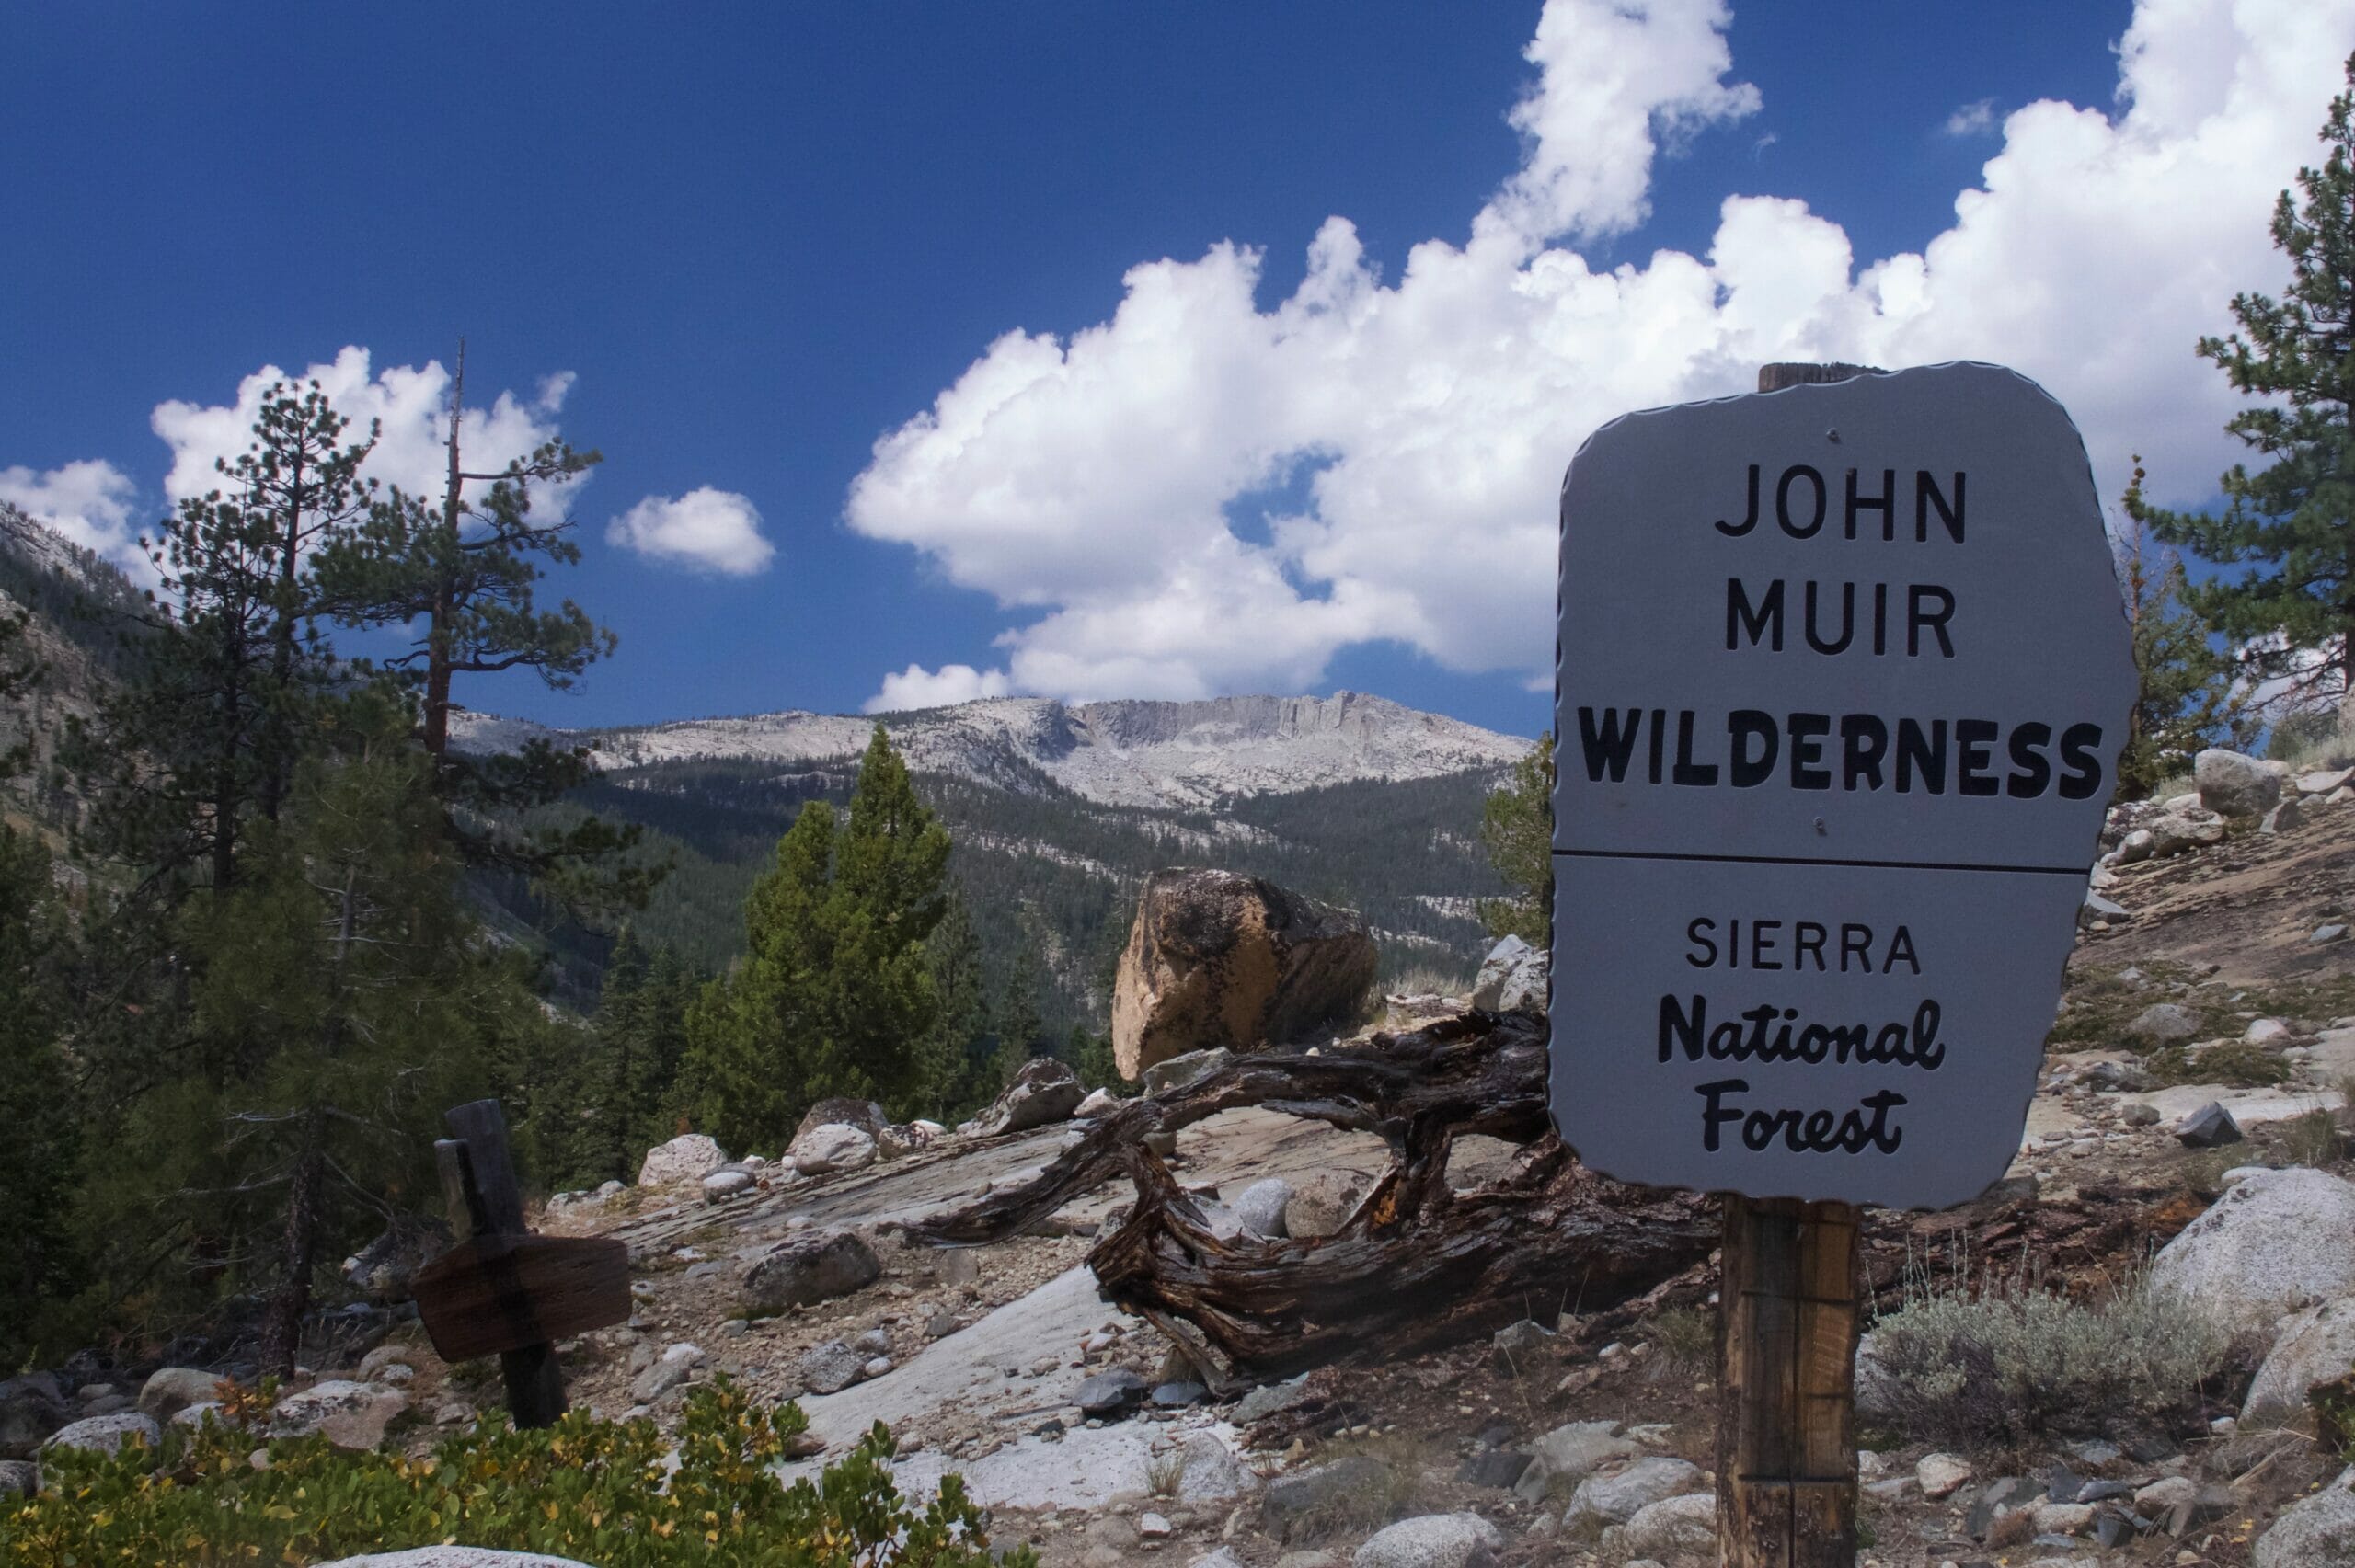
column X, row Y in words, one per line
column 1114, row 753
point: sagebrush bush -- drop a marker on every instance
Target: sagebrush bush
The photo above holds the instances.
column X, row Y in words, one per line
column 2011, row 1362
column 598, row 1490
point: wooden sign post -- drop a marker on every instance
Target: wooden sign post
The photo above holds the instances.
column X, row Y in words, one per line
column 1843, row 673
column 502, row 1289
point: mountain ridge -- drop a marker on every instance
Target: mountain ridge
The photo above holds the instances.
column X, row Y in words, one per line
column 1132, row 752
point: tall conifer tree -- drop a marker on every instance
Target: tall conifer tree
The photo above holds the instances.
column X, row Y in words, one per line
column 2292, row 522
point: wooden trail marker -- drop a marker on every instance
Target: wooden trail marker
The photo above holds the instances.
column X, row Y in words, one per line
column 1841, row 686
column 503, row 1291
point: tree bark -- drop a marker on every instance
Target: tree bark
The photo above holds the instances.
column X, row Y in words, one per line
column 1418, row 1264
column 281, row 1330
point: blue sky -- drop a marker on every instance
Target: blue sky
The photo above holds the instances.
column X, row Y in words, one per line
column 759, row 239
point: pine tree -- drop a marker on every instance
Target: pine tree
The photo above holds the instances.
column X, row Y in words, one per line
column 953, row 1069
column 460, row 569
column 40, row 1264
column 835, row 996
column 1517, row 829
column 207, row 730
column 2290, row 614
column 2186, row 697
column 340, row 967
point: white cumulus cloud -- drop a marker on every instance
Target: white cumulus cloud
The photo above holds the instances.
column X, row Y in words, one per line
column 1119, row 479
column 916, row 687
column 715, row 530
column 89, row 503
column 410, row 405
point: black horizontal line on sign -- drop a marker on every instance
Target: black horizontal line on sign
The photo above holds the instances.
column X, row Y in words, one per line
column 1821, row 860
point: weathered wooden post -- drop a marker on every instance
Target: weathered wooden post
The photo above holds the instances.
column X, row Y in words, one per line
column 1787, row 1340
column 502, row 1288
column 1841, row 688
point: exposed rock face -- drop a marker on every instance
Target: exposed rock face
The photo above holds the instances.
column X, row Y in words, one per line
column 1043, row 1091
column 2277, row 1241
column 1216, row 958
column 2317, row 1533
column 690, row 1157
column 2317, row 1347
column 2234, row 785
column 815, row 1267
column 455, row 1557
column 1515, row 978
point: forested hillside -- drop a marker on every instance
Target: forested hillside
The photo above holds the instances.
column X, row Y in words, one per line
column 1051, row 876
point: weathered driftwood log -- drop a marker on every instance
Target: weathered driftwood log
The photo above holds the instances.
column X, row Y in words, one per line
column 1417, row 1265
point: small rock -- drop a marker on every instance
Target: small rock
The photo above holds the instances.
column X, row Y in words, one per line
column 832, row 1147
column 1153, row 1526
column 1212, row 1473
column 106, row 1434
column 814, row 1266
column 1571, row 1452
column 1358, row 1483
column 18, row 1478
column 2210, row 1126
column 1270, row 1398
column 1604, row 1500
column 2063, row 1518
column 1678, row 1527
column 1497, row 1468
column 2325, row 934
column 1115, row 1392
column 876, row 1366
column 687, row 1157
column 1100, row 1103
column 171, row 1390
column 1942, row 1475
column 1184, row 1071
column 1179, row 1395
column 349, row 1414
column 2164, row 1023
column 659, row 1380
column 723, row 1184
column 1434, row 1541
column 830, row 1368
column 1524, row 1338
column 2284, row 819
column 2231, row 784
column 1260, row 1207
column 1513, row 978
column 2140, row 1115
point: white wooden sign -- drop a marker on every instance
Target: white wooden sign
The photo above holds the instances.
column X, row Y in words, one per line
column 1842, row 678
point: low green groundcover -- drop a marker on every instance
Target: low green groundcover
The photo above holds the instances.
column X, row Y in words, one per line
column 597, row 1491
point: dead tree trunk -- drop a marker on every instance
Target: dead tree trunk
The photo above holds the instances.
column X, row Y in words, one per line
column 1417, row 1265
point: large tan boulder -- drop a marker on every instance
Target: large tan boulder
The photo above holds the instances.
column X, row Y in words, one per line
column 1220, row 959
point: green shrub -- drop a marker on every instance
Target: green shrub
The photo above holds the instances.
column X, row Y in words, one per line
column 2012, row 1363
column 593, row 1490
column 2235, row 1062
